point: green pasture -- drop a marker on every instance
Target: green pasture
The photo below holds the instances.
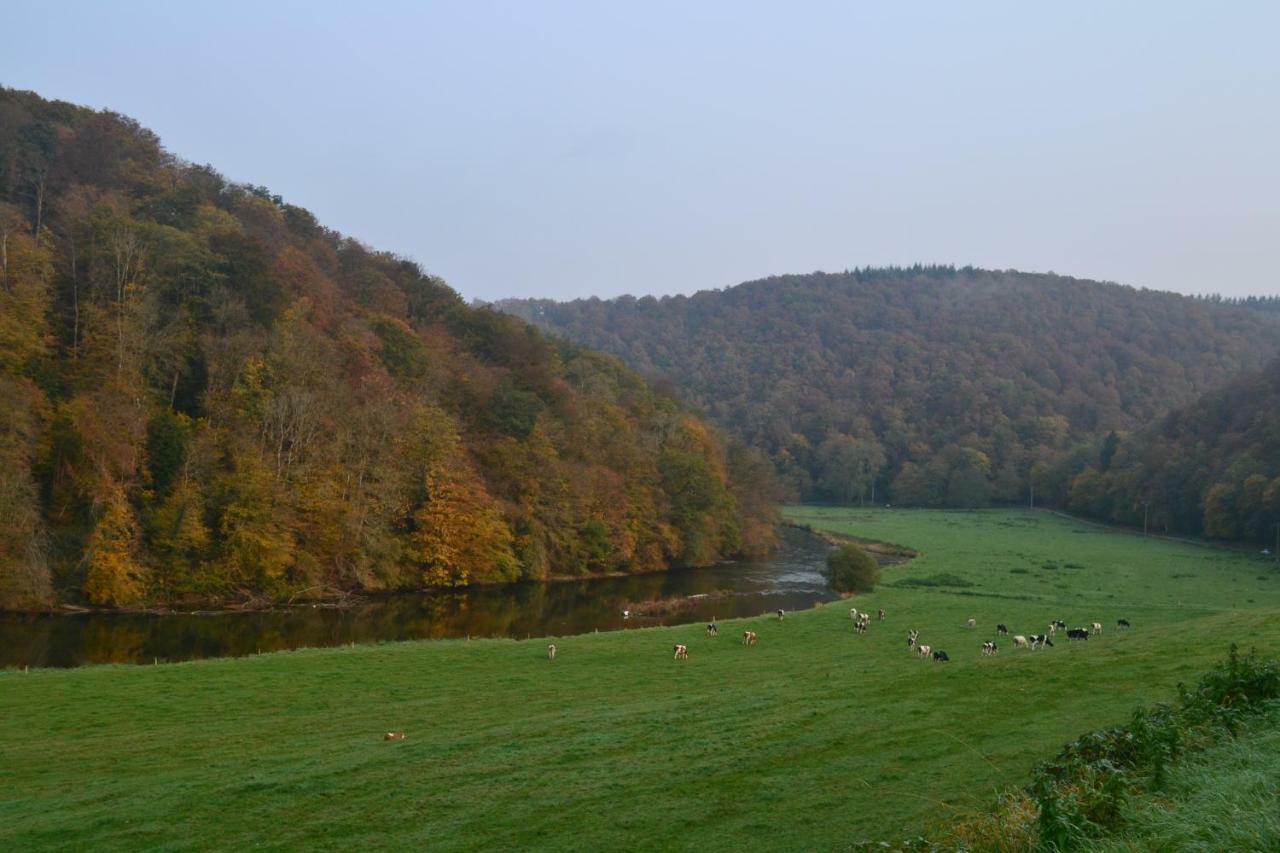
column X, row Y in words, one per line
column 811, row 740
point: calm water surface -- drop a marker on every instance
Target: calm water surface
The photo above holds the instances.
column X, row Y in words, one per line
column 790, row 580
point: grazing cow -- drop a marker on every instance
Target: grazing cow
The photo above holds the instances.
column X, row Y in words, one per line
column 1002, row 630
column 1122, row 623
column 940, row 657
column 1058, row 623
column 912, row 636
column 1020, row 642
column 712, row 630
column 881, row 613
column 1078, row 634
column 551, row 652
column 393, row 736
column 682, row 652
column 923, row 651
column 990, row 649
column 781, row 614
column 972, row 623
column 1040, row 640
column 1053, row 628
column 1097, row 627
column 748, row 638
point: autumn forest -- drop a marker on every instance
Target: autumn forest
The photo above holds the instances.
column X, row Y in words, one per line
column 206, row 395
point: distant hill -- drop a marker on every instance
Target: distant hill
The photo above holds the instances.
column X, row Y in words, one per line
column 925, row 385
column 1211, row 467
column 206, row 394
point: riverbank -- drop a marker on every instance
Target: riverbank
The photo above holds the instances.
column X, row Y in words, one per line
column 791, row 580
column 614, row 744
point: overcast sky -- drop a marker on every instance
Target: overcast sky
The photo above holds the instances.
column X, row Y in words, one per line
column 575, row 149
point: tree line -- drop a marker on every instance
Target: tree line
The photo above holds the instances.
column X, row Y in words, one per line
column 1210, row 468
column 205, row 394
column 926, row 385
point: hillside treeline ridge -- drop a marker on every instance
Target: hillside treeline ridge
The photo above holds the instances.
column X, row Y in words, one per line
column 1209, row 468
column 205, row 394
column 932, row 385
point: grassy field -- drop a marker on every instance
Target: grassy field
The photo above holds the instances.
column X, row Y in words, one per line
column 813, row 739
column 1223, row 799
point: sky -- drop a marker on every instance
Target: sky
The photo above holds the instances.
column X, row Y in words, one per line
column 572, row 149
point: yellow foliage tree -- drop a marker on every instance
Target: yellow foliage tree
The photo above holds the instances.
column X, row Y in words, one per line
column 114, row 578
column 460, row 534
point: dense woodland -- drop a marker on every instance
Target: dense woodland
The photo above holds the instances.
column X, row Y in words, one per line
column 207, row 395
column 1211, row 468
column 926, row 386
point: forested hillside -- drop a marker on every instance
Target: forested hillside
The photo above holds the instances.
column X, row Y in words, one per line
column 1211, row 467
column 206, row 395
column 929, row 386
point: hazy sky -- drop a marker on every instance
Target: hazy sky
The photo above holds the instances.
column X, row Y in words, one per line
column 571, row 149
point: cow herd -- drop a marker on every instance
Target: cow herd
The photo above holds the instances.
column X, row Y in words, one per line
column 862, row 621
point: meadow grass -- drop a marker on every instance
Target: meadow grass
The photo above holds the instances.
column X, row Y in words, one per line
column 1225, row 798
column 813, row 739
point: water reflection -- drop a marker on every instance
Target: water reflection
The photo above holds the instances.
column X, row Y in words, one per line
column 790, row 580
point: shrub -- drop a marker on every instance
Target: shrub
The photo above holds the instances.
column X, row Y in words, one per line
column 851, row 569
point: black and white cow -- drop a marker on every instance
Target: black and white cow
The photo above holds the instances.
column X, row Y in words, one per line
column 1041, row 640
column 712, row 630
column 990, row 649
column 1122, row 623
column 940, row 656
column 1002, row 629
column 1078, row 634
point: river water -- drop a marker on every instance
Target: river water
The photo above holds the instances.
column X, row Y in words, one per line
column 791, row 580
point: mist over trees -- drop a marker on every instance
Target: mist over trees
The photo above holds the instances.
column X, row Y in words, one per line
column 205, row 394
column 925, row 386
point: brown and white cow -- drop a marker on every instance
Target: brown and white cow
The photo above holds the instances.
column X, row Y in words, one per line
column 682, row 652
column 748, row 638
column 551, row 652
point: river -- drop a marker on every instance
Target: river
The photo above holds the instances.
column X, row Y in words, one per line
column 791, row 580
